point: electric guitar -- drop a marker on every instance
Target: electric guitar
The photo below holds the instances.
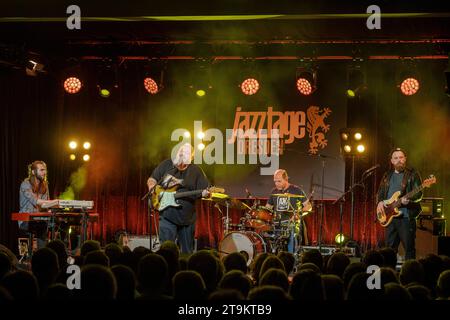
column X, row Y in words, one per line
column 394, row 202
column 163, row 198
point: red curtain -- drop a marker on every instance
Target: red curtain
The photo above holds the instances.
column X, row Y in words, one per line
column 130, row 214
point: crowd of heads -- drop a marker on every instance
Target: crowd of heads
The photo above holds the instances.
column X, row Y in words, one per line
column 115, row 272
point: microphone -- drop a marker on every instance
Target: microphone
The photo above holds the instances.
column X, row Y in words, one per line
column 371, row 169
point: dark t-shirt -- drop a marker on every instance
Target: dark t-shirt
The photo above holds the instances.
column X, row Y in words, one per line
column 395, row 184
column 286, row 205
column 193, row 178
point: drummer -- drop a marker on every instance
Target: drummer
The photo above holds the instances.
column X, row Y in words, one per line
column 286, row 206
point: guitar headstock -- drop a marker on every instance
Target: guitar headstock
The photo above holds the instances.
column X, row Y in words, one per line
column 429, row 181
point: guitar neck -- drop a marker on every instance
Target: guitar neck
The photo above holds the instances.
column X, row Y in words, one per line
column 188, row 194
column 414, row 191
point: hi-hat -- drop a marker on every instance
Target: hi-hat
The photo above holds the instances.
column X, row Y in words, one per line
column 290, row 195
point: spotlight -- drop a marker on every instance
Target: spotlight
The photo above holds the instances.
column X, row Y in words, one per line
column 86, row 157
column 72, row 157
column 187, row 134
column 200, row 93
column 200, row 82
column 347, row 148
column 351, row 93
column 73, row 145
column 340, row 238
column 153, row 75
column 356, row 83
column 407, row 77
column 104, row 93
column 72, row 85
column 409, row 86
column 353, row 141
column 250, row 86
column 201, row 146
column 107, row 81
column 87, row 145
column 33, row 67
column 306, row 82
column 360, row 148
column 151, row 86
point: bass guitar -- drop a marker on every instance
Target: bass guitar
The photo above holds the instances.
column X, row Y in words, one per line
column 395, row 201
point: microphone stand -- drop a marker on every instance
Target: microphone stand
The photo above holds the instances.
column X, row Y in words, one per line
column 341, row 201
column 150, row 205
column 148, row 195
column 322, row 207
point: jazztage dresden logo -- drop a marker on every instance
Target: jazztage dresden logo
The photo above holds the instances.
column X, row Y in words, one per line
column 255, row 138
column 316, row 121
column 290, row 124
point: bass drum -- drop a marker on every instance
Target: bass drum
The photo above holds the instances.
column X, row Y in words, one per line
column 249, row 243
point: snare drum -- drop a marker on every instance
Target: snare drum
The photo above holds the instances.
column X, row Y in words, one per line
column 249, row 243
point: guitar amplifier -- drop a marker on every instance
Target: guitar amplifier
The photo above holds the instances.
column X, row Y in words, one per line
column 430, row 237
column 433, row 207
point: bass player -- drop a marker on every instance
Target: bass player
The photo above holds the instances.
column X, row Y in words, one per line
column 401, row 178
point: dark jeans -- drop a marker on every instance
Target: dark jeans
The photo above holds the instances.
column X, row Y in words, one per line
column 404, row 231
column 171, row 231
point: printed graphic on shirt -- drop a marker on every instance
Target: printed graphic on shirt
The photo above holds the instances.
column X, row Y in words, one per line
column 282, row 204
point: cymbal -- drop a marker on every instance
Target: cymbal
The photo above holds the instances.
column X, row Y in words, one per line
column 290, row 195
column 233, row 204
column 226, row 201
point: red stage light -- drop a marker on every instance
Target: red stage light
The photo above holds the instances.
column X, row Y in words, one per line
column 72, row 85
column 250, row 86
column 409, row 86
column 304, row 86
column 151, row 86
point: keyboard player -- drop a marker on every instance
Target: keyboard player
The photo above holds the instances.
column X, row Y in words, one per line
column 33, row 195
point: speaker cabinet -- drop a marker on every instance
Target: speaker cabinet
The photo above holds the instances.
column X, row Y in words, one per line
column 444, row 246
column 432, row 207
column 428, row 237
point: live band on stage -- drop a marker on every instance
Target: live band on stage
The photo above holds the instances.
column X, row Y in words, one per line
column 271, row 226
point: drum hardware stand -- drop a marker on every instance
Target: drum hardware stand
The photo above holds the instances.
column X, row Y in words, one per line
column 227, row 219
column 298, row 240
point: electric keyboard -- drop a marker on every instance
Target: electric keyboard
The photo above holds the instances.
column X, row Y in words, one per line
column 69, row 204
column 45, row 216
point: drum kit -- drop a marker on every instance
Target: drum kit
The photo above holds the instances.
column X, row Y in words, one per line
column 260, row 229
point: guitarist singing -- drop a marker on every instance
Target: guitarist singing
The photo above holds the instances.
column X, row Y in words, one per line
column 178, row 223
column 401, row 178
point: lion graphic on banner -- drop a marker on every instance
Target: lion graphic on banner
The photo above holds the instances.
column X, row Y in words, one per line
column 316, row 121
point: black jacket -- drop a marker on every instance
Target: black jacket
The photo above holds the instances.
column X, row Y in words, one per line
column 411, row 180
